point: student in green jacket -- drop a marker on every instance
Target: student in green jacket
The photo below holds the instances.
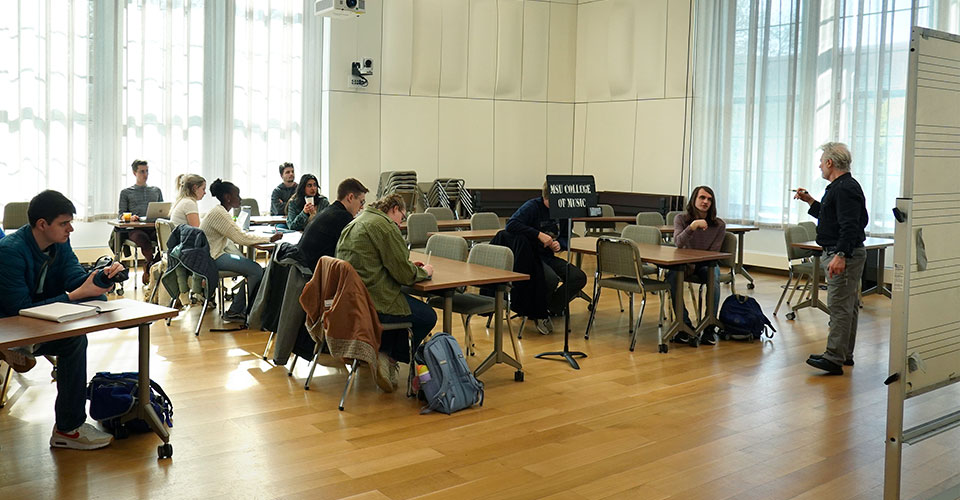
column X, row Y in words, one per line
column 373, row 245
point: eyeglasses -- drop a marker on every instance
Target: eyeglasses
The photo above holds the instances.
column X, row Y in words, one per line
column 404, row 216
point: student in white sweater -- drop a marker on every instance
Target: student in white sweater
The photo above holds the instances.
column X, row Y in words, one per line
column 192, row 188
column 222, row 232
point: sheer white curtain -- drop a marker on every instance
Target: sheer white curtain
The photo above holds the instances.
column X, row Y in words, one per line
column 774, row 79
column 267, row 94
column 163, row 90
column 44, row 118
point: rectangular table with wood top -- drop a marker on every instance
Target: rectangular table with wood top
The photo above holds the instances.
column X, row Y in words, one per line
column 448, row 275
column 471, row 235
column 268, row 220
column 675, row 258
column 445, row 225
column 879, row 244
column 737, row 229
column 19, row 331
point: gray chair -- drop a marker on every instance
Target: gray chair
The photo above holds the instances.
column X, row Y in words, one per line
column 252, row 203
column 673, row 215
column 164, row 229
column 448, row 247
column 811, row 228
column 484, row 220
column 441, row 213
column 418, row 225
column 468, row 305
column 650, row 219
column 15, row 215
column 602, row 228
column 644, row 234
column 798, row 266
column 620, row 260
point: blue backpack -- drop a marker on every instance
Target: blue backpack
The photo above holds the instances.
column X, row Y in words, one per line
column 113, row 395
column 451, row 386
column 743, row 319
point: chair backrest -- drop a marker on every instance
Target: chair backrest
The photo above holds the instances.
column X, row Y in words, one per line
column 165, row 228
column 618, row 256
column 673, row 215
column 729, row 246
column 643, row 234
column 448, row 247
column 252, row 203
column 484, row 220
column 15, row 214
column 796, row 234
column 605, row 211
column 811, row 228
column 418, row 225
column 650, row 219
column 441, row 213
column 496, row 256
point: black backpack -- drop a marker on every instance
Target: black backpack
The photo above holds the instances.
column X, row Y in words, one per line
column 113, row 395
column 743, row 319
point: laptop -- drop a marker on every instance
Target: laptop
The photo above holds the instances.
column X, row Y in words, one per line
column 158, row 210
column 243, row 218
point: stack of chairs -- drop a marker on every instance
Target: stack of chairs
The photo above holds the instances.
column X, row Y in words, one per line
column 452, row 194
column 403, row 183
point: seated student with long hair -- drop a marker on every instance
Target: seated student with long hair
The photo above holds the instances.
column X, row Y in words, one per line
column 191, row 189
column 222, row 232
column 305, row 203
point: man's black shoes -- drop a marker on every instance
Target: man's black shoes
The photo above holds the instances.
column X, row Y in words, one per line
column 826, row 365
column 848, row 362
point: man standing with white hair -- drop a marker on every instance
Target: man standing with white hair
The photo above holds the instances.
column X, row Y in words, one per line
column 842, row 218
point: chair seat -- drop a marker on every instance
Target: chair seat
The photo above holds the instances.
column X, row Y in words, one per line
column 650, row 269
column 802, row 268
column 630, row 284
column 227, row 274
column 467, row 303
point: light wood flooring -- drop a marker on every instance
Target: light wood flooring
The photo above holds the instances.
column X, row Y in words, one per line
column 738, row 420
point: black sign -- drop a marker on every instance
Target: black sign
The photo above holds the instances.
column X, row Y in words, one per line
column 571, row 195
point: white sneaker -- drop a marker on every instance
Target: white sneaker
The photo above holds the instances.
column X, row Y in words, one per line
column 85, row 437
column 382, row 371
column 545, row 325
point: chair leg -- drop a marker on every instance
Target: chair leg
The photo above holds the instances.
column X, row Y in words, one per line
column 410, row 369
column 203, row 310
column 6, row 385
column 784, row 294
column 694, row 299
column 663, row 316
column 620, row 300
column 292, row 365
column 523, row 321
column 267, row 347
column 172, row 302
column 313, row 366
column 636, row 328
column 346, row 387
column 630, row 324
column 467, row 337
column 593, row 310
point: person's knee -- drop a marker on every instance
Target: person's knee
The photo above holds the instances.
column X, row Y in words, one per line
column 578, row 279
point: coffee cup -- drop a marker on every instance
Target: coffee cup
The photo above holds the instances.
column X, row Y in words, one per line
column 127, row 216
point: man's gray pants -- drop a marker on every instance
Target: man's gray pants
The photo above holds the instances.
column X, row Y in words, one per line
column 843, row 302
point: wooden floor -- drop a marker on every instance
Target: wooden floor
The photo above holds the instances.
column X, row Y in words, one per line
column 738, row 420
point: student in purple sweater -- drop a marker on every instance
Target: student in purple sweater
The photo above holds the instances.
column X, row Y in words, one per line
column 698, row 228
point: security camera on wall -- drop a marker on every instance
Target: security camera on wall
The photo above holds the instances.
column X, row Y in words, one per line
column 339, row 8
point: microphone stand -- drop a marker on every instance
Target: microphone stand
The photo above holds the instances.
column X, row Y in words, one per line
column 566, row 353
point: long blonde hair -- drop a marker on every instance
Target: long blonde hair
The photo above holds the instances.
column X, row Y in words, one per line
column 186, row 183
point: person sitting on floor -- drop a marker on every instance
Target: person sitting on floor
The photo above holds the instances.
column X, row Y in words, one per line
column 373, row 245
column 698, row 228
column 39, row 267
column 305, row 203
column 222, row 232
column 322, row 233
column 548, row 236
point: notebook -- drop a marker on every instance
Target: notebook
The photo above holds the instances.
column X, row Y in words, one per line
column 66, row 311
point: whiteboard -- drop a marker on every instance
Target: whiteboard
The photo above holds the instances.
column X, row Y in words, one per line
column 926, row 319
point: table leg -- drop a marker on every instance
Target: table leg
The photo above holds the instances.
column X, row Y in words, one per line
column 678, row 325
column 814, row 300
column 498, row 356
column 710, row 318
column 880, row 287
column 144, row 408
column 740, row 270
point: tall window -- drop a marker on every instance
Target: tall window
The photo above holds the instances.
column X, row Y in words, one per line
column 267, row 94
column 162, row 96
column 43, row 100
column 774, row 79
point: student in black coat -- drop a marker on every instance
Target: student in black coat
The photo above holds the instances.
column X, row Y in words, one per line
column 321, row 234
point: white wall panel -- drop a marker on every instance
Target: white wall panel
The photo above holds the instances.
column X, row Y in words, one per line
column 536, row 35
column 651, row 43
column 520, row 144
column 482, row 49
column 369, row 32
column 343, row 43
column 608, row 153
column 678, row 36
column 354, row 137
column 592, row 80
column 466, row 141
column 620, row 59
column 562, row 66
column 408, row 138
column 509, row 48
column 425, row 68
column 579, row 136
column 559, row 138
column 397, row 46
column 453, row 48
column 658, row 161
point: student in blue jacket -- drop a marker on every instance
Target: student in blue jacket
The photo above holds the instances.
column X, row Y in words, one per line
column 39, row 267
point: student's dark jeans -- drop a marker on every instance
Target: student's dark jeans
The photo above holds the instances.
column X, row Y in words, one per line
column 71, row 402
column 394, row 343
column 556, row 270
